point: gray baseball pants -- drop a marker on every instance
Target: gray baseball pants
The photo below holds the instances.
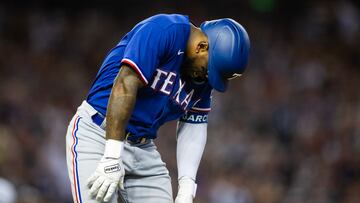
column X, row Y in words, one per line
column 146, row 179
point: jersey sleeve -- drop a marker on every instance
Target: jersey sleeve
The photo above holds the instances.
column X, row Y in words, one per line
column 199, row 112
column 145, row 50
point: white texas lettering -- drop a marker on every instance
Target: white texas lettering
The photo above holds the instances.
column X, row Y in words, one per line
column 157, row 77
column 166, row 87
column 177, row 94
column 187, row 99
column 168, row 81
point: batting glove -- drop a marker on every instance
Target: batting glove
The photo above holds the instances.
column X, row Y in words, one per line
column 109, row 174
column 186, row 190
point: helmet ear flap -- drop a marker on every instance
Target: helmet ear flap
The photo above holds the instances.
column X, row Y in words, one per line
column 229, row 47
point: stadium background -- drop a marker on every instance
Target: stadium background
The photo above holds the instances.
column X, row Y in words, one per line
column 287, row 132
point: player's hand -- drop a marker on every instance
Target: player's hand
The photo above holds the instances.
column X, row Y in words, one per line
column 109, row 174
column 186, row 191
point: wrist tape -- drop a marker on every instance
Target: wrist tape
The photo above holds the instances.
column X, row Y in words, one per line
column 113, row 148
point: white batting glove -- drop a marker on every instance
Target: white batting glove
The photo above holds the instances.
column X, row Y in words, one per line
column 186, row 190
column 109, row 174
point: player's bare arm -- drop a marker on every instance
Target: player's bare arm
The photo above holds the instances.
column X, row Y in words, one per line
column 121, row 102
column 110, row 171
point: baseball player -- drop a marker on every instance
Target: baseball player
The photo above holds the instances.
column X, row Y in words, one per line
column 163, row 69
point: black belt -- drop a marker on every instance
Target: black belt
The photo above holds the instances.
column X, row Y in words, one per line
column 130, row 138
column 98, row 119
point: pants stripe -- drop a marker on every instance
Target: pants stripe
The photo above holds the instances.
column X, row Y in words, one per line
column 75, row 165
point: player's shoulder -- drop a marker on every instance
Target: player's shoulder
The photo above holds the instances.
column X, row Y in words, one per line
column 167, row 20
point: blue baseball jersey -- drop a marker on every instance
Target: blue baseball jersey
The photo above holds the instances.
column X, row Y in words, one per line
column 154, row 48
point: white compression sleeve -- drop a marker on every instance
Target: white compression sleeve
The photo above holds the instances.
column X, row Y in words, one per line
column 191, row 140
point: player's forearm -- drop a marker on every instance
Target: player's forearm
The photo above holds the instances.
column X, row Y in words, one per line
column 191, row 142
column 190, row 146
column 121, row 103
column 119, row 110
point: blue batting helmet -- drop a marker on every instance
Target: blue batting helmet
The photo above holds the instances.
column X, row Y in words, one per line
column 228, row 51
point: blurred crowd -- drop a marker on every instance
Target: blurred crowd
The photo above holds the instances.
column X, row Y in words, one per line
column 288, row 131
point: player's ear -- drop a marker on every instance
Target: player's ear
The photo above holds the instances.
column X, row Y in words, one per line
column 202, row 46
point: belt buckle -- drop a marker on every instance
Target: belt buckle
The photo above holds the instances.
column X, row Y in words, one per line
column 140, row 140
